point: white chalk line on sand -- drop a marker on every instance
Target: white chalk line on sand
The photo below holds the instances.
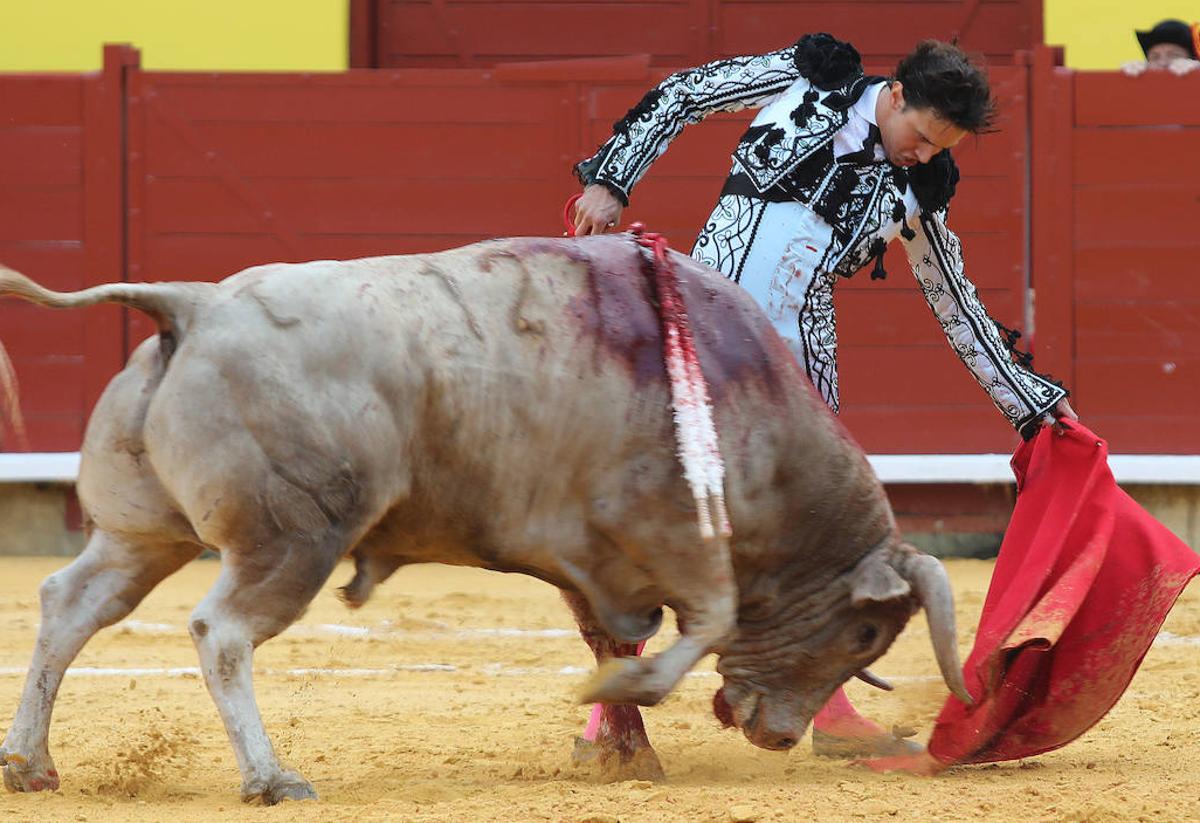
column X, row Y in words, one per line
column 194, row 671
column 440, row 631
column 386, row 629
column 489, row 670
column 436, row 631
column 1166, row 638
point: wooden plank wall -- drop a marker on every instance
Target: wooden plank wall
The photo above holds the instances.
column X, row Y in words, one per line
column 41, row 232
column 481, row 33
column 236, row 170
column 1137, row 246
column 1116, row 217
column 62, row 222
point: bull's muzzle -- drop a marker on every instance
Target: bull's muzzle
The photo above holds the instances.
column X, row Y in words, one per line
column 773, row 730
column 764, row 725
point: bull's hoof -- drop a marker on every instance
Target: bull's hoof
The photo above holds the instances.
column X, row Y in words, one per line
column 28, row 774
column 624, row 681
column 641, row 764
column 287, row 785
column 872, row 745
column 351, row 597
column 585, row 752
column 616, row 765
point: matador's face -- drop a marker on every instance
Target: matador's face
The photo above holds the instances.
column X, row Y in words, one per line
column 912, row 135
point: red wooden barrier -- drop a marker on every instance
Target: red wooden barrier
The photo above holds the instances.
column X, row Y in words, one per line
column 481, row 33
column 228, row 171
column 1052, row 269
column 61, row 221
column 1116, row 244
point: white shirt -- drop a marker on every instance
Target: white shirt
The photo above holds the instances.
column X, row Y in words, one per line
column 858, row 126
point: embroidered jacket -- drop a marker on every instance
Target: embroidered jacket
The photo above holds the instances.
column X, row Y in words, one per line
column 805, row 93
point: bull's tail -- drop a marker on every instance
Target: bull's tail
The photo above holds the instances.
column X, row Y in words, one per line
column 171, row 305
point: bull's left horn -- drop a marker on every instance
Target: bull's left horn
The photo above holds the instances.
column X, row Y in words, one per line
column 866, row 676
column 932, row 586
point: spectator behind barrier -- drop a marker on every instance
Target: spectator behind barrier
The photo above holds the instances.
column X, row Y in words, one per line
column 1172, row 45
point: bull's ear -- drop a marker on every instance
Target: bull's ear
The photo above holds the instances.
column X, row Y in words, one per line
column 876, row 581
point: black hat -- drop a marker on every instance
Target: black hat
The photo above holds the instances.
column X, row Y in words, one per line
column 1170, row 31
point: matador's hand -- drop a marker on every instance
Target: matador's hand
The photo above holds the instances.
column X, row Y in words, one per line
column 597, row 211
column 1061, row 410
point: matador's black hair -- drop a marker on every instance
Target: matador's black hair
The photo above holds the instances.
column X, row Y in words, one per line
column 941, row 77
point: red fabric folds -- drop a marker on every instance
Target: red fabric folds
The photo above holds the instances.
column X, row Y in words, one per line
column 1083, row 582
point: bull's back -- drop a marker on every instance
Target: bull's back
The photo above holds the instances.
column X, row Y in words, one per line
column 515, row 306
column 518, row 321
column 465, row 379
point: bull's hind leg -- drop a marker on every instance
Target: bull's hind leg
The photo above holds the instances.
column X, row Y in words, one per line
column 104, row 584
column 257, row 595
column 620, row 746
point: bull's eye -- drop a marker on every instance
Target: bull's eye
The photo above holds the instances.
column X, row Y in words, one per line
column 868, row 633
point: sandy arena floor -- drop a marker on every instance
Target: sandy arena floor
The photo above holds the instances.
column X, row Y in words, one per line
column 450, row 696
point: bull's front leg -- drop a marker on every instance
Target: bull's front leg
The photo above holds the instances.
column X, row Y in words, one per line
column 703, row 593
column 615, row 739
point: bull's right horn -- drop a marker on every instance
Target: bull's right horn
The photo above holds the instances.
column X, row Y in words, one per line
column 928, row 579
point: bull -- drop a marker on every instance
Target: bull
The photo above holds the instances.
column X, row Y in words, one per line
column 504, row 406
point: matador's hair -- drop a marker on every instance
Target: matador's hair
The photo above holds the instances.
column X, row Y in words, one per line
column 941, row 77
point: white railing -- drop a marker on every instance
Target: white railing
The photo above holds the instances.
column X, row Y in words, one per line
column 1169, row 469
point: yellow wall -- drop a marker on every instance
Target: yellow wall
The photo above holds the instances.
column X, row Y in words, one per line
column 1098, row 34
column 252, row 35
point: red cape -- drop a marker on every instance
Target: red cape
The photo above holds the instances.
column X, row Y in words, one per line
column 1083, row 582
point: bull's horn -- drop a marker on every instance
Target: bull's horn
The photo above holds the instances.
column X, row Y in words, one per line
column 932, row 586
column 875, row 680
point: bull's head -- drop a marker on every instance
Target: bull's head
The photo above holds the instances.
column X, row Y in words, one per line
column 794, row 648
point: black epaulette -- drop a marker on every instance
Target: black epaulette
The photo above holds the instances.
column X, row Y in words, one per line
column 934, row 182
column 826, row 62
